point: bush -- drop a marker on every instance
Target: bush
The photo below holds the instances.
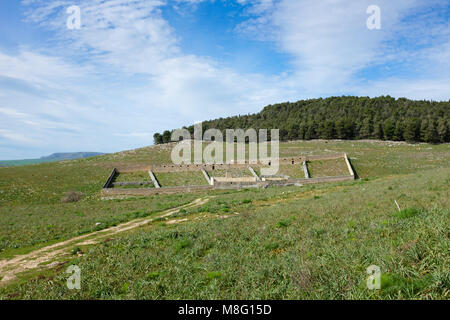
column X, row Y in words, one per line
column 72, row 196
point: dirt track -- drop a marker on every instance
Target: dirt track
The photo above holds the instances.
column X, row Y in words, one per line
column 21, row 263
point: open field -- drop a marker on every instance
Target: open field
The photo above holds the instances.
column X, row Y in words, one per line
column 174, row 179
column 327, row 168
column 296, row 242
column 139, row 176
column 293, row 171
column 233, row 172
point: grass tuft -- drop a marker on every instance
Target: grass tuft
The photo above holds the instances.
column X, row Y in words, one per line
column 407, row 213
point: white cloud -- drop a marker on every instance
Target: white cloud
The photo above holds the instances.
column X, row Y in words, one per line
column 13, row 113
column 38, row 69
column 15, row 137
column 124, row 75
column 121, row 75
column 329, row 43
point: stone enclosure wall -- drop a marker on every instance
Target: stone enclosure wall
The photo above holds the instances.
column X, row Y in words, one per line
column 253, row 181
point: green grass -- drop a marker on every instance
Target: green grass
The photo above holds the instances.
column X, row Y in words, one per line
column 327, row 168
column 139, row 176
column 29, row 226
column 293, row 171
column 16, row 163
column 284, row 245
column 311, row 242
column 407, row 213
column 175, row 179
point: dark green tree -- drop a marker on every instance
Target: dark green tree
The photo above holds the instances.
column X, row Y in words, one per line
column 366, row 129
column 398, row 131
column 166, row 136
column 410, row 132
column 293, row 131
column 339, row 126
column 344, row 118
column 388, row 129
column 431, row 134
column 378, row 130
column 443, row 130
column 423, row 129
column 157, row 138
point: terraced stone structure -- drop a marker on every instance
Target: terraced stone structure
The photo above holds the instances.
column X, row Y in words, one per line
column 169, row 179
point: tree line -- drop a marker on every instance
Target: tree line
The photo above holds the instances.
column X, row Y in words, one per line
column 347, row 118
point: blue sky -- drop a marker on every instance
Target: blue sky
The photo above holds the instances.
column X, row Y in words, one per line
column 137, row 67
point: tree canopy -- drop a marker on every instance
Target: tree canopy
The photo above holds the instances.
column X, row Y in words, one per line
column 345, row 117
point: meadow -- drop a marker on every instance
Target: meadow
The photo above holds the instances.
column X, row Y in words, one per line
column 312, row 242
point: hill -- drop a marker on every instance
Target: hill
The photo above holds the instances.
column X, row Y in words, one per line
column 347, row 118
column 312, row 242
column 51, row 158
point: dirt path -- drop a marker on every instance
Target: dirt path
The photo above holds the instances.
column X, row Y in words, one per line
column 21, row 263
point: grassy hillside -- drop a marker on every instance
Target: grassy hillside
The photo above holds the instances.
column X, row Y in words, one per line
column 297, row 242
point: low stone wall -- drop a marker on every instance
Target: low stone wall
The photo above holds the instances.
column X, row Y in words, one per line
column 236, row 180
column 155, row 181
column 238, row 185
column 223, row 186
column 305, row 170
column 196, row 167
column 223, row 182
column 325, row 157
column 349, row 166
column 254, row 174
column 207, row 177
column 121, row 184
column 110, row 179
column 322, row 179
column 153, row 191
column 133, row 168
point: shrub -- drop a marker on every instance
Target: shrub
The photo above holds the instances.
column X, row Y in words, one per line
column 72, row 196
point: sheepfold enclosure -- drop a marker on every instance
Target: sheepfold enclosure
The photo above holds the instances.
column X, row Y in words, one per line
column 166, row 179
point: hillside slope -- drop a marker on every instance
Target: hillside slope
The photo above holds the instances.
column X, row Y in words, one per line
column 296, row 242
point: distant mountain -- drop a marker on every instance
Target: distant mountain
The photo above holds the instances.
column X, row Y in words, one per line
column 70, row 156
column 51, row 158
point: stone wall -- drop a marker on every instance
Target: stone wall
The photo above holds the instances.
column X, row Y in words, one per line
column 222, row 186
column 222, row 182
column 110, row 179
column 194, row 167
column 153, row 191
